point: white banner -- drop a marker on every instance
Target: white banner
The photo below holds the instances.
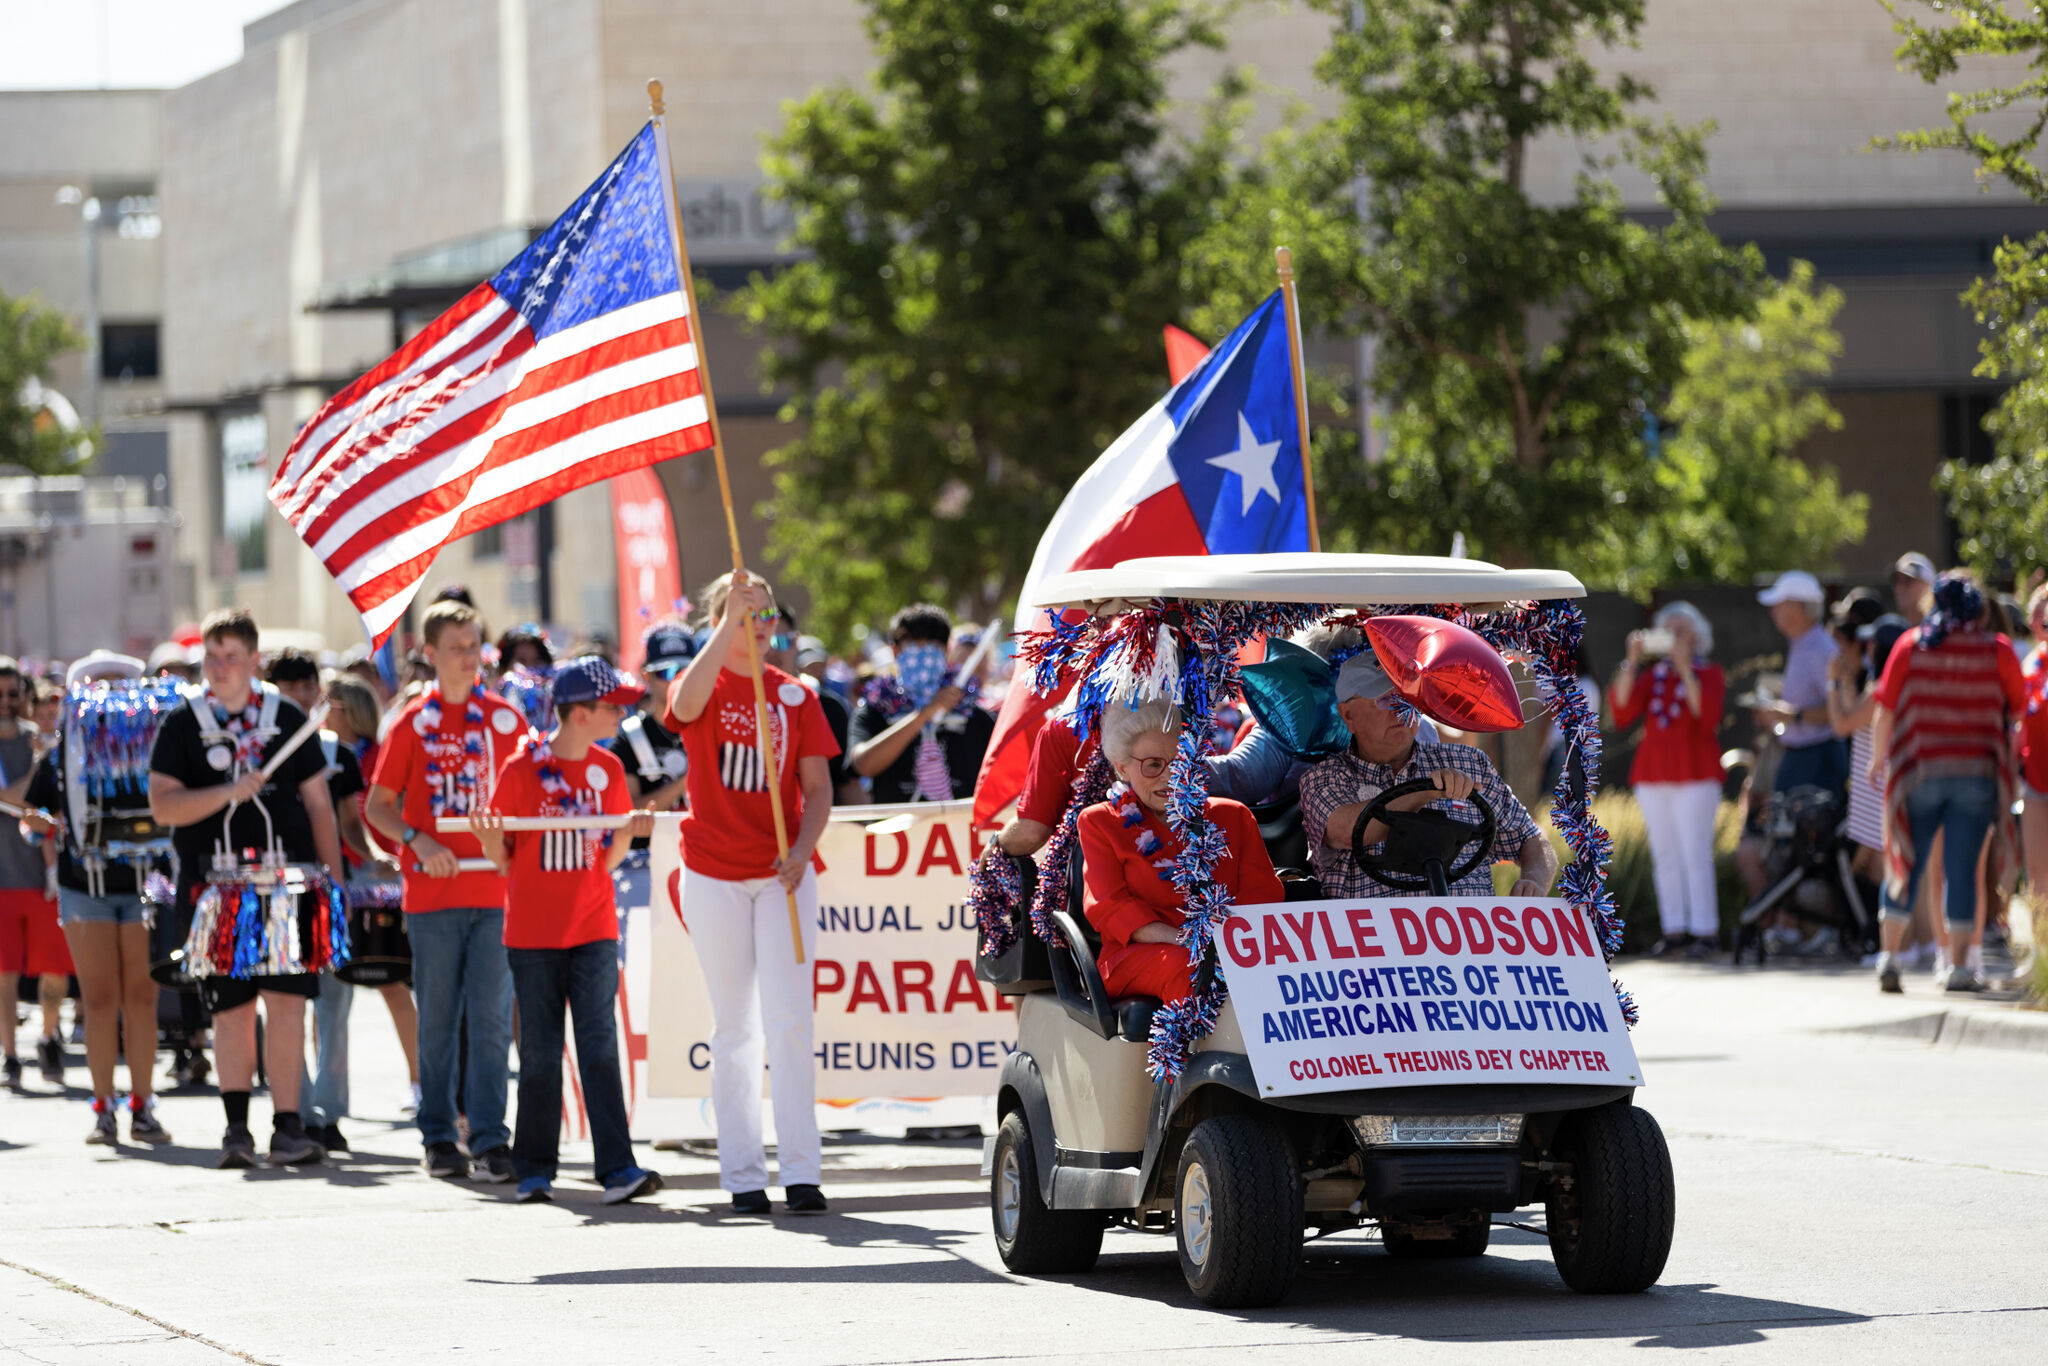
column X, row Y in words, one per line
column 1344, row 995
column 899, row 1014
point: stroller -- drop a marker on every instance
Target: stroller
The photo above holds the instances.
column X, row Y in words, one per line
column 1810, row 872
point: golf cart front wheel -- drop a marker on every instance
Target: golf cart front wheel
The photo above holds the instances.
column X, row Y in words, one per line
column 1033, row 1239
column 1238, row 1212
column 1610, row 1228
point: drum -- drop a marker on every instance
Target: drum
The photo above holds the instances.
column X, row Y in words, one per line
column 169, row 926
column 266, row 919
column 379, row 952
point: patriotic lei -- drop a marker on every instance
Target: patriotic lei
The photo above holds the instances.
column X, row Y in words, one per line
column 246, row 730
column 2035, row 671
column 559, row 796
column 886, row 693
column 473, row 771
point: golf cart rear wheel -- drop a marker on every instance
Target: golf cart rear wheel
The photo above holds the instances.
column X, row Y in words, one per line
column 1610, row 1231
column 1467, row 1240
column 1035, row 1240
column 1238, row 1212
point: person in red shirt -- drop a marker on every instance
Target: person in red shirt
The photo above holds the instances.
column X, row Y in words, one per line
column 1677, row 770
column 562, row 925
column 2034, row 746
column 734, row 890
column 441, row 758
column 1127, row 850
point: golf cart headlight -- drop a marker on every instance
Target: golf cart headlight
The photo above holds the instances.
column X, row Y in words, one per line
column 1402, row 1131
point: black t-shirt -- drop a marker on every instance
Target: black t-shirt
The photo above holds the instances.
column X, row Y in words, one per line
column 964, row 741
column 835, row 717
column 182, row 752
column 344, row 775
column 667, row 748
column 46, row 790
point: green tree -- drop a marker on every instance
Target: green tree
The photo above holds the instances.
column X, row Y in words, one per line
column 1523, row 340
column 2000, row 507
column 31, row 337
column 993, row 241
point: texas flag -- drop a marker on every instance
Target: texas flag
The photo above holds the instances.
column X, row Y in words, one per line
column 1214, row 468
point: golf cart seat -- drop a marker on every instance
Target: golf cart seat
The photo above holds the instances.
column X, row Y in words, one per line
column 1280, row 827
column 1078, row 981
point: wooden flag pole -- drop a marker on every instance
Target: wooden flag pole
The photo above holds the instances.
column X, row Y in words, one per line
column 765, row 737
column 1285, row 260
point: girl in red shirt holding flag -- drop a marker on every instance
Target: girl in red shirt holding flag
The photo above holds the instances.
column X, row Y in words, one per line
column 734, row 890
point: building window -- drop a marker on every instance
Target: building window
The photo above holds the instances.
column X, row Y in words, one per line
column 244, row 440
column 128, row 351
column 139, row 216
column 488, row 544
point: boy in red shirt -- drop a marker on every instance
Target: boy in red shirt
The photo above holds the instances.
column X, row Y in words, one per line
column 562, row 926
column 440, row 759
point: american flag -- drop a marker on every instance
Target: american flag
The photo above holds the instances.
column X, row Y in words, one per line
column 572, row 364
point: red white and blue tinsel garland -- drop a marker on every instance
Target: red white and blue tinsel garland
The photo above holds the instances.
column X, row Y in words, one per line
column 471, row 773
column 248, row 929
column 533, row 692
column 1186, row 652
column 114, row 724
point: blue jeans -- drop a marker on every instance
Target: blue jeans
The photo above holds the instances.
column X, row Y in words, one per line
column 1961, row 810
column 458, row 967
column 1823, row 765
column 585, row 979
column 323, row 1098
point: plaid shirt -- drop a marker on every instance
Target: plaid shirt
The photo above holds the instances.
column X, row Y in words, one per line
column 1347, row 778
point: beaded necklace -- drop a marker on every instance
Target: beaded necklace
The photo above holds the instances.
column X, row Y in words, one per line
column 559, row 796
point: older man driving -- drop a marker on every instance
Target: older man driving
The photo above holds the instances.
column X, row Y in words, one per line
column 1384, row 753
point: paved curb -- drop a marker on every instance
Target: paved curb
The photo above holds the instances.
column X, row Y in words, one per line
column 2011, row 1029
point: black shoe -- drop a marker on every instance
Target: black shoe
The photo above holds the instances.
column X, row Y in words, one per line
column 804, row 1199
column 1670, row 946
column 330, row 1138
column 237, row 1148
column 50, row 1053
column 291, row 1145
column 750, row 1202
column 12, row 1068
column 444, row 1160
column 493, row 1167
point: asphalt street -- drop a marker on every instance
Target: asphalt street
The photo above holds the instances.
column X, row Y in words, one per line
column 1843, row 1195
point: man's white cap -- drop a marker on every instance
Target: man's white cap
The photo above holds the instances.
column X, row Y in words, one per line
column 102, row 664
column 1794, row 585
column 1914, row 565
column 1362, row 676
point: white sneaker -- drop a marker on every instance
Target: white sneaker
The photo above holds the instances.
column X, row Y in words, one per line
column 412, row 1106
column 1961, row 979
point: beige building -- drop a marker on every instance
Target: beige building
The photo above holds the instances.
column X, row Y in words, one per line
column 366, row 161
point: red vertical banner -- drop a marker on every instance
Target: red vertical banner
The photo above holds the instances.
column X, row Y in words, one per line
column 650, row 568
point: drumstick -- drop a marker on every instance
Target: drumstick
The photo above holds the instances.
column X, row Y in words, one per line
column 981, row 649
column 299, row 737
column 458, row 824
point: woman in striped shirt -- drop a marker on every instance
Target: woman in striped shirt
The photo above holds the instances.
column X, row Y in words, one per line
column 1945, row 709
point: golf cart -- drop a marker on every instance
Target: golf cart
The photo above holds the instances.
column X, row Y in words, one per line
column 1228, row 1161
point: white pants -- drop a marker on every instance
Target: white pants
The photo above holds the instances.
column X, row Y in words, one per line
column 760, row 1004
column 1680, row 821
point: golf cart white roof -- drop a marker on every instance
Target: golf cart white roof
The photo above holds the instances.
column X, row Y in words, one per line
column 1301, row 576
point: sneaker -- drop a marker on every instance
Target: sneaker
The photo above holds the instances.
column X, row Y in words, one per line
column 106, row 1131
column 444, row 1160
column 536, row 1190
column 630, row 1183
column 143, row 1126
column 1670, row 945
column 12, row 1068
column 412, row 1105
column 1821, row 941
column 750, row 1202
column 1698, row 950
column 493, row 1167
column 330, row 1138
column 50, row 1055
column 1888, row 973
column 802, row 1199
column 291, row 1145
column 1961, row 979
column 237, row 1148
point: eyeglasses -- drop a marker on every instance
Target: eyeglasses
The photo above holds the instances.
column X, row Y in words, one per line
column 766, row 615
column 1151, row 768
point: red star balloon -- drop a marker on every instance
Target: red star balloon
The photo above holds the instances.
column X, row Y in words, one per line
column 1447, row 672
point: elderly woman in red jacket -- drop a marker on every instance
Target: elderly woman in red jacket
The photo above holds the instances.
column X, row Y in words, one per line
column 1128, row 850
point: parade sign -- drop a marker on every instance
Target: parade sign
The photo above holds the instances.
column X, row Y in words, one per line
column 898, row 1012
column 1420, row 991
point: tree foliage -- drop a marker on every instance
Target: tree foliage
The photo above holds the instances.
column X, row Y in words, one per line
column 32, row 336
column 994, row 238
column 2000, row 507
column 1523, row 341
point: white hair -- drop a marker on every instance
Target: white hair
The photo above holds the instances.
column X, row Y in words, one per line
column 1325, row 639
column 1121, row 726
column 1701, row 630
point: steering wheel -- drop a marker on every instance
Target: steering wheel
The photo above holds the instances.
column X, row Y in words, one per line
column 1420, row 844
